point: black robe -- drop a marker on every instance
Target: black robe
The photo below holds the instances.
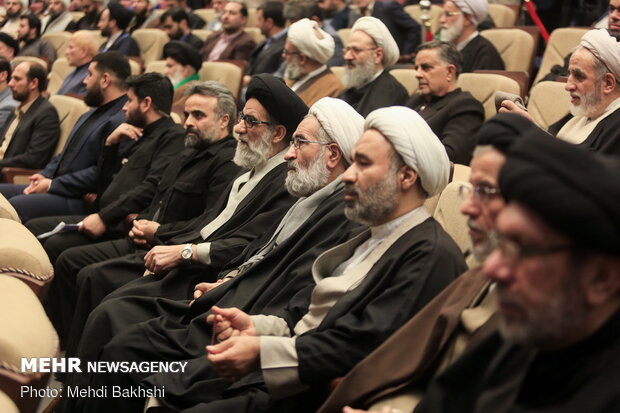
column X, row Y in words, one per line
column 499, row 377
column 603, row 139
column 384, row 91
column 409, row 274
column 480, row 54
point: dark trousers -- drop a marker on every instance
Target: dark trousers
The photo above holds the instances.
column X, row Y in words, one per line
column 40, row 205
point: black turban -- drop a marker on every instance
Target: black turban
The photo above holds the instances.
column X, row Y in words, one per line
column 280, row 101
column 10, row 42
column 183, row 53
column 576, row 192
column 121, row 15
column 504, row 129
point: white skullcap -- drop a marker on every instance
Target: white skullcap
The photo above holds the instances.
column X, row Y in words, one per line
column 24, row 4
column 311, row 40
column 414, row 140
column 382, row 37
column 604, row 47
column 477, row 9
column 341, row 122
column 66, row 3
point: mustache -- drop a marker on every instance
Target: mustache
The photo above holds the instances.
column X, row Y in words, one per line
column 190, row 130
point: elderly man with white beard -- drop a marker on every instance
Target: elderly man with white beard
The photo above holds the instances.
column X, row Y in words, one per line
column 594, row 87
column 306, row 51
column 272, row 269
column 459, row 22
column 370, row 50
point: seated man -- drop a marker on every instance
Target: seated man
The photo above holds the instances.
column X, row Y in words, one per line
column 8, row 46
column 595, row 95
column 232, row 43
column 455, row 116
column 557, row 271
column 7, row 102
column 113, row 24
column 218, row 8
column 144, row 14
column 58, row 18
column 59, row 188
column 307, row 50
column 29, row 136
column 182, row 65
column 14, row 10
column 370, row 50
column 92, row 11
column 365, row 287
column 267, row 56
column 81, row 49
column 459, row 22
column 175, row 23
column 29, row 34
column 335, row 12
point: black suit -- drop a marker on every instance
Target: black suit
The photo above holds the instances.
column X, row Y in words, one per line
column 267, row 60
column 405, row 31
column 35, row 137
column 455, row 118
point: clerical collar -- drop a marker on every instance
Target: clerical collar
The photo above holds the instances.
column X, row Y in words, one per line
column 371, row 80
column 307, row 77
column 465, row 42
column 186, row 80
column 275, row 160
column 383, row 230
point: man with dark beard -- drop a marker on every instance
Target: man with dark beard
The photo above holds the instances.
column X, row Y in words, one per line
column 371, row 49
column 190, row 184
column 58, row 188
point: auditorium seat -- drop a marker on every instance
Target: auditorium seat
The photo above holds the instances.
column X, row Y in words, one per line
column 60, row 70
column 7, row 211
column 338, row 71
column 6, row 404
column 435, row 13
column 344, row 35
column 157, row 66
column 58, row 40
column 151, row 43
column 227, row 73
column 407, row 78
column 522, row 78
column 561, row 42
column 205, row 14
column 548, row 103
column 202, row 34
column 502, row 15
column 76, row 15
column 483, row 87
column 448, row 214
column 255, row 34
column 516, row 47
column 39, row 60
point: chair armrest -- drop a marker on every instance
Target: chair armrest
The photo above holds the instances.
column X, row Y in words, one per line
column 9, row 174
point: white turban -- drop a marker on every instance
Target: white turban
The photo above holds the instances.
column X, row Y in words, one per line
column 477, row 9
column 604, row 47
column 341, row 122
column 66, row 3
column 375, row 28
column 24, row 5
column 414, row 140
column 311, row 40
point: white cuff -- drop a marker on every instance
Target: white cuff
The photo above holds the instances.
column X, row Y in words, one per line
column 203, row 251
column 270, row 325
column 278, row 360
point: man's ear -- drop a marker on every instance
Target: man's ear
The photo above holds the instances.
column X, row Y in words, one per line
column 601, row 279
column 378, row 56
column 335, row 155
column 146, row 104
column 407, row 177
column 279, row 134
column 609, row 83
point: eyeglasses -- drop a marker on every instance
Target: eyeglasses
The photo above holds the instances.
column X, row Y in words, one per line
column 250, row 121
column 298, row 141
column 513, row 252
column 356, row 50
column 450, row 13
column 481, row 193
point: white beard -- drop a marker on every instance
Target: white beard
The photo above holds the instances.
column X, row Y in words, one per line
column 360, row 75
column 450, row 34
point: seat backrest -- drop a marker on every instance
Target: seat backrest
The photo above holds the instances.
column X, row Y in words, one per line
column 202, row 34
column 515, row 46
column 548, row 103
column 255, row 34
column 434, row 14
column 60, row 70
column 448, row 214
column 7, row 211
column 561, row 42
column 205, row 14
column 100, row 39
column 69, row 110
column 502, row 15
column 407, row 78
column 344, row 35
column 58, row 40
column 483, row 87
column 157, row 66
column 151, row 43
column 252, row 17
column 338, row 71
column 76, row 15
column 227, row 73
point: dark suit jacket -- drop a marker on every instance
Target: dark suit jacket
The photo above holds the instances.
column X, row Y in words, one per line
column 35, row 137
column 240, row 48
column 126, row 45
column 192, row 40
column 341, row 19
column 455, row 118
column 405, row 31
column 267, row 60
column 82, row 175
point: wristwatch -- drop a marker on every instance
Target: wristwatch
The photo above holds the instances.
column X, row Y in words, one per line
column 187, row 252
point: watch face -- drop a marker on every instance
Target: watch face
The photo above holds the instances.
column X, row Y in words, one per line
column 186, row 253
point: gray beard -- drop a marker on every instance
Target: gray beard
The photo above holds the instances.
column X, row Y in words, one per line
column 360, row 75
column 375, row 204
column 307, row 180
column 254, row 154
column 293, row 71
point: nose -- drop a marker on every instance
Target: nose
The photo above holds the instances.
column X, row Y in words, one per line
column 417, row 74
column 570, row 84
column 496, row 268
column 469, row 207
column 349, row 176
column 240, row 126
column 189, row 122
column 442, row 19
column 291, row 154
column 348, row 54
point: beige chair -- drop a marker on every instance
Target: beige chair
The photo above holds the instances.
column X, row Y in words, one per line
column 135, row 66
column 22, row 256
column 338, row 71
column 151, row 43
column 344, row 35
column 100, row 39
column 6, row 404
column 157, row 66
column 407, row 78
column 60, row 70
column 457, row 173
column 561, row 43
column 58, row 40
column 435, row 13
column 483, row 87
column 515, row 46
column 548, row 103
column 7, row 211
column 227, row 73
column 252, row 17
column 26, row 333
column 202, row 34
column 205, row 14
column 503, row 16
column 255, row 34
column 176, row 118
column 19, row 59
column 76, row 15
column 448, row 214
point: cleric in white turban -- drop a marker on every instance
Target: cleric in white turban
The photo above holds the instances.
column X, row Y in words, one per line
column 340, row 121
column 414, row 140
column 477, row 9
column 381, row 36
column 311, row 40
column 605, row 47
